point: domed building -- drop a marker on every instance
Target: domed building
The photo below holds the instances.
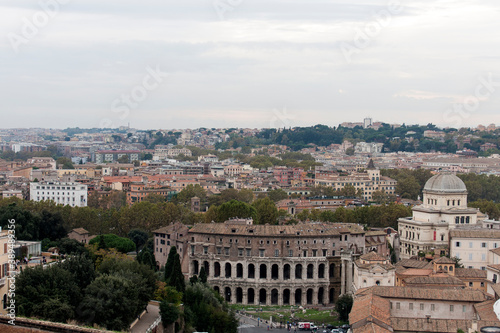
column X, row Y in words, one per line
column 444, row 207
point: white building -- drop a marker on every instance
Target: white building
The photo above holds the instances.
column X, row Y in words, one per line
column 72, row 194
column 444, row 207
column 368, row 147
column 372, row 269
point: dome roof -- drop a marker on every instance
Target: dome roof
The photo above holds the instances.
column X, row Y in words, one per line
column 445, row 182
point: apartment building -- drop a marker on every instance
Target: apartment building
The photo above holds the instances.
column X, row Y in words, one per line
column 473, row 246
column 72, row 194
column 109, row 156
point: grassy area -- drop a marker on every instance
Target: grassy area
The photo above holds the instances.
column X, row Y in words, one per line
column 291, row 313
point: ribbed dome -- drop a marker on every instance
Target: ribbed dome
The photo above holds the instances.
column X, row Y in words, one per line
column 445, row 182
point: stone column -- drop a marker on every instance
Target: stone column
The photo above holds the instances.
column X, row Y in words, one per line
column 211, row 269
column 342, row 278
column 268, row 296
column 349, row 276
column 244, row 300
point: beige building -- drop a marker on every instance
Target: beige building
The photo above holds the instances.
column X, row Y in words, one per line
column 4, row 270
column 444, row 208
column 303, row 264
column 473, row 246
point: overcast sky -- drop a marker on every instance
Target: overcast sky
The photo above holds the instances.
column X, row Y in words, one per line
column 248, row 63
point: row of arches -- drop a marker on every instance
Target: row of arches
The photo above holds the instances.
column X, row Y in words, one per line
column 275, row 297
column 261, row 271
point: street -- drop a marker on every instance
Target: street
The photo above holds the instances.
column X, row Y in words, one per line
column 249, row 325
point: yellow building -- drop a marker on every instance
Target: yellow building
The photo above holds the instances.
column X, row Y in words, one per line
column 4, row 269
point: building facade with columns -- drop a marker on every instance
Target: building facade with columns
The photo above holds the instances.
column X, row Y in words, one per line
column 444, row 208
column 303, row 264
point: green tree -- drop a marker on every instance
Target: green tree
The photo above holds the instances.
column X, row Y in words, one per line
column 344, row 306
column 176, row 279
column 266, row 211
column 169, row 312
column 139, row 237
column 203, row 275
column 277, row 195
column 234, row 208
column 169, row 265
column 111, row 241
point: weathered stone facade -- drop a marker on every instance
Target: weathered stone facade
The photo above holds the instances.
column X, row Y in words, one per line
column 303, row 264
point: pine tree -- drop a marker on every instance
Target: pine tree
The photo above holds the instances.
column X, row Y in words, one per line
column 169, row 266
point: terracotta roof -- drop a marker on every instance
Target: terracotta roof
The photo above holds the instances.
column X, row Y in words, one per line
column 434, row 280
column 372, row 256
column 301, row 229
column 412, row 263
column 485, row 310
column 467, row 295
column 474, row 233
column 470, row 273
column 80, row 231
column 416, row 272
column 496, row 251
column 443, row 260
column 370, row 313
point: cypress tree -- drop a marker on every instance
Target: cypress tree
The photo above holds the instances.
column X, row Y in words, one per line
column 169, row 266
column 177, row 278
column 203, row 275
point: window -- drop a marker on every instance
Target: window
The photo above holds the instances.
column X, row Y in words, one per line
column 470, row 245
column 290, row 253
column 219, row 250
column 240, row 252
column 226, row 250
column 451, row 307
column 482, row 284
column 315, row 253
column 205, row 250
column 457, row 244
column 421, row 306
column 410, row 306
column 249, row 253
column 324, row 253
column 276, row 253
column 398, row 305
column 483, row 257
column 433, row 307
column 470, row 284
column 464, row 308
column 304, row 253
column 261, row 253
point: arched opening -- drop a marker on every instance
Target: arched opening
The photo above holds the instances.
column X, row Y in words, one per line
column 309, row 295
column 310, row 271
column 195, row 267
column 216, row 269
column 227, row 294
column 451, row 268
column 298, row 297
column 207, row 267
column 321, row 271
column 274, row 272
column 298, row 271
column 263, row 271
column 331, row 296
column 274, row 296
column 251, row 295
column 286, row 296
column 228, row 270
column 251, row 271
column 262, row 296
column 331, row 272
column 239, row 270
column 321, row 294
column 377, row 283
column 217, row 289
column 239, row 295
column 286, row 272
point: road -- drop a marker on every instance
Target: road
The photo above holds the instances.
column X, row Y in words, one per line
column 249, row 325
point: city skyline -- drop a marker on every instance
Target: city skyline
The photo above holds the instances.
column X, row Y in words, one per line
column 248, row 64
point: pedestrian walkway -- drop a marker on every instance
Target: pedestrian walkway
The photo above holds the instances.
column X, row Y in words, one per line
column 147, row 320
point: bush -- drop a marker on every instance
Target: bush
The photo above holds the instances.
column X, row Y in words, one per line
column 111, row 241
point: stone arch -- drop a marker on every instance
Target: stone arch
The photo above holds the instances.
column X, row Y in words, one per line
column 227, row 294
column 286, row 272
column 274, row 272
column 321, row 271
column 286, row 296
column 216, row 269
column 321, row 295
column 274, row 296
column 206, row 265
column 331, row 296
column 310, row 271
column 251, row 271
column 331, row 271
column 298, row 296
column 239, row 270
column 195, row 267
column 262, row 296
column 298, row 271
column 227, row 270
column 251, row 296
column 263, row 271
column 309, row 296
column 217, row 289
column 239, row 295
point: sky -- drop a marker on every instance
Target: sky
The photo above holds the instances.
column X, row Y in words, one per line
column 248, row 63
